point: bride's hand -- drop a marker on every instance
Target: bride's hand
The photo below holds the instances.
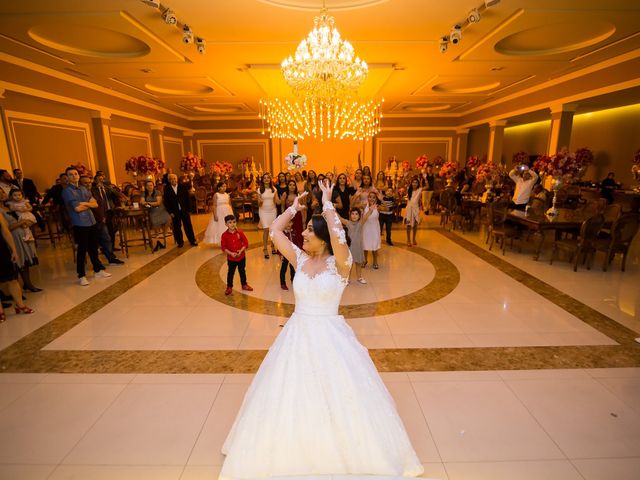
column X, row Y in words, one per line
column 326, row 188
column 296, row 203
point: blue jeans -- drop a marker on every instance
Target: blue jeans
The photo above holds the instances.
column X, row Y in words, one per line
column 104, row 240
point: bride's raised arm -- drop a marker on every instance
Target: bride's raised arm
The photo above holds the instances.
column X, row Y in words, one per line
column 336, row 231
column 276, row 230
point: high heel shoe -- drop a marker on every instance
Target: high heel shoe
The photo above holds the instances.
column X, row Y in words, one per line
column 156, row 248
column 3, row 317
column 25, row 310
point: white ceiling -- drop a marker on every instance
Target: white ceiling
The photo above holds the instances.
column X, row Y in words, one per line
column 126, row 46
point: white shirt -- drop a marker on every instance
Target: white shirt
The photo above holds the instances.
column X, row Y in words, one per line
column 175, row 190
column 523, row 187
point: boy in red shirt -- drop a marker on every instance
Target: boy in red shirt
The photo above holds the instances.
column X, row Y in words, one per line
column 234, row 242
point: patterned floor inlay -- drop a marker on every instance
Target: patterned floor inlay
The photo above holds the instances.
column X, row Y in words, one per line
column 446, row 279
column 26, row 355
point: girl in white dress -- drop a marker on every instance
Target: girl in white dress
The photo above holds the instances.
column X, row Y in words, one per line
column 221, row 208
column 371, row 230
column 317, row 405
column 267, row 210
column 412, row 212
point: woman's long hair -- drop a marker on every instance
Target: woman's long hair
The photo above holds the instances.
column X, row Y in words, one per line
column 262, row 187
column 321, row 230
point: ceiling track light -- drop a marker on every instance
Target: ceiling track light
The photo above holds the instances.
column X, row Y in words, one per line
column 473, row 16
column 490, row 3
column 444, row 44
column 187, row 35
column 152, row 3
column 201, row 45
column 456, row 34
column 169, row 17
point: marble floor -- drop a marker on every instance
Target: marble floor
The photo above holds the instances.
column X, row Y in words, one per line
column 501, row 366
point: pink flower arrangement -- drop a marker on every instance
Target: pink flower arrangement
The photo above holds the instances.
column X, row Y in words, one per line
column 520, row 157
column 144, row 165
column 422, row 161
column 486, row 170
column 222, row 168
column 584, row 157
column 82, row 170
column 562, row 164
column 448, row 169
column 295, row 161
column 473, row 162
column 191, row 162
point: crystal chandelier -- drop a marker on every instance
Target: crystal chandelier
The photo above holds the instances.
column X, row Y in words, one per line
column 324, row 64
column 324, row 74
column 338, row 118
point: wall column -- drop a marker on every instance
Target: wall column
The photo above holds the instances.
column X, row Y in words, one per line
column 157, row 141
column 496, row 139
column 460, row 152
column 187, row 141
column 5, row 155
column 101, row 123
column 561, row 125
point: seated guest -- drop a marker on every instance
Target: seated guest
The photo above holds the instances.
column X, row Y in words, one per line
column 524, row 179
column 607, row 187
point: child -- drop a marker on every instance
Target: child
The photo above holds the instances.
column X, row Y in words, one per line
column 354, row 226
column 387, row 212
column 234, row 243
column 220, row 209
column 371, row 230
column 412, row 212
column 291, row 235
column 17, row 203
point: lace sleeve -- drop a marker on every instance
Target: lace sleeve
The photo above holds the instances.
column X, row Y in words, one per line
column 333, row 222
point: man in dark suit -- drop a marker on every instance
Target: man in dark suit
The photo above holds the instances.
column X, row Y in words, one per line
column 178, row 203
column 27, row 186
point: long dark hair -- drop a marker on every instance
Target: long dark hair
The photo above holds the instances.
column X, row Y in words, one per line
column 321, row 230
column 262, row 188
column 410, row 190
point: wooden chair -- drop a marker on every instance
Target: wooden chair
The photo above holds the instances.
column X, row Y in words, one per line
column 201, row 199
column 611, row 214
column 500, row 230
column 537, row 207
column 447, row 206
column 583, row 245
column 622, row 233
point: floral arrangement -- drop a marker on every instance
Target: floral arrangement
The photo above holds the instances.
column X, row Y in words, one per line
column 636, row 158
column 437, row 161
column 422, row 161
column 191, row 162
column 520, row 158
column 473, row 162
column 564, row 164
column 144, row 165
column 406, row 166
column 295, row 161
column 448, row 169
column 82, row 170
column 635, row 169
column 222, row 168
column 486, row 171
column 584, row 157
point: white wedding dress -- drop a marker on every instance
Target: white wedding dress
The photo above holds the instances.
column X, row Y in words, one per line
column 317, row 405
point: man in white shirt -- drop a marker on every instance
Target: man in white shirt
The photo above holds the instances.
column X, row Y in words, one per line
column 525, row 179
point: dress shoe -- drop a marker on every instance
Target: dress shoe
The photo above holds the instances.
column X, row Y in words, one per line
column 284, row 286
column 247, row 287
column 33, row 289
column 194, row 244
column 116, row 261
column 228, row 291
column 180, row 245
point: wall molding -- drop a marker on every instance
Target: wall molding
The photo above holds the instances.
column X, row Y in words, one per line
column 263, row 142
column 122, row 132
column 448, row 141
column 175, row 140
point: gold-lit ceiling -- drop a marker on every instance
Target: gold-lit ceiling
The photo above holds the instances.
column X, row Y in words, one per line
column 126, row 46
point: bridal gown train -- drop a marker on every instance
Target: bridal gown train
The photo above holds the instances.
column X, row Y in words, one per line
column 317, row 405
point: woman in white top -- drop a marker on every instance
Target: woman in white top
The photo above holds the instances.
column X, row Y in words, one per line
column 412, row 212
column 267, row 210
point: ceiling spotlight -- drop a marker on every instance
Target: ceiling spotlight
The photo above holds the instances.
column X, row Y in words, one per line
column 491, row 3
column 473, row 16
column 456, row 34
column 187, row 35
column 444, row 44
column 201, row 45
column 169, row 17
column 152, row 3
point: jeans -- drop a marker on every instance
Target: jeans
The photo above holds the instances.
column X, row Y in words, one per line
column 87, row 240
column 104, row 240
column 240, row 265
column 386, row 219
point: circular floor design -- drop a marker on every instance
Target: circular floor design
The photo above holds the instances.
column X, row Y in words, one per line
column 442, row 280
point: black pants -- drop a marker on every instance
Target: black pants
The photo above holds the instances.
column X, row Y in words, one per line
column 182, row 217
column 104, row 240
column 521, row 206
column 386, row 220
column 240, row 264
column 283, row 271
column 87, row 241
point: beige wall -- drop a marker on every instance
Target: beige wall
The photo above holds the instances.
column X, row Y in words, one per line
column 478, row 141
column 234, row 152
column 126, row 145
column 531, row 138
column 411, row 148
column 173, row 153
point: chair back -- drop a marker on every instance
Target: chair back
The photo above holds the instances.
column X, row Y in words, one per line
column 201, row 194
column 448, row 200
column 590, row 228
column 612, row 212
column 625, row 228
column 537, row 206
column 497, row 215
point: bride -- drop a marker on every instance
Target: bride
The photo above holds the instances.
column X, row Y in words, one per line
column 317, row 405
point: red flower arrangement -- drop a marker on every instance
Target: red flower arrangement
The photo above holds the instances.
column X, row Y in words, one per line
column 406, row 166
column 473, row 162
column 437, row 161
column 448, row 169
column 144, row 165
column 222, row 168
column 563, row 163
column 82, row 170
column 486, row 170
column 520, row 157
column 422, row 161
column 584, row 157
column 191, row 162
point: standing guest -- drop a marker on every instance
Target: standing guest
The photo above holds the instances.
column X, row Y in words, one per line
column 361, row 196
column 158, row 215
column 21, row 206
column 366, row 170
column 26, row 250
column 6, row 181
column 234, row 243
column 8, row 271
column 110, row 197
column 79, row 203
column 429, row 180
column 525, row 179
column 341, row 196
column 298, row 220
column 281, row 189
column 27, row 186
column 387, row 213
column 357, row 178
column 381, row 181
column 267, row 211
column 354, row 228
column 608, row 186
column 178, row 203
column 290, row 234
column 100, row 214
column 299, row 181
column 371, row 230
column 220, row 208
column 412, row 211
column 165, row 177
